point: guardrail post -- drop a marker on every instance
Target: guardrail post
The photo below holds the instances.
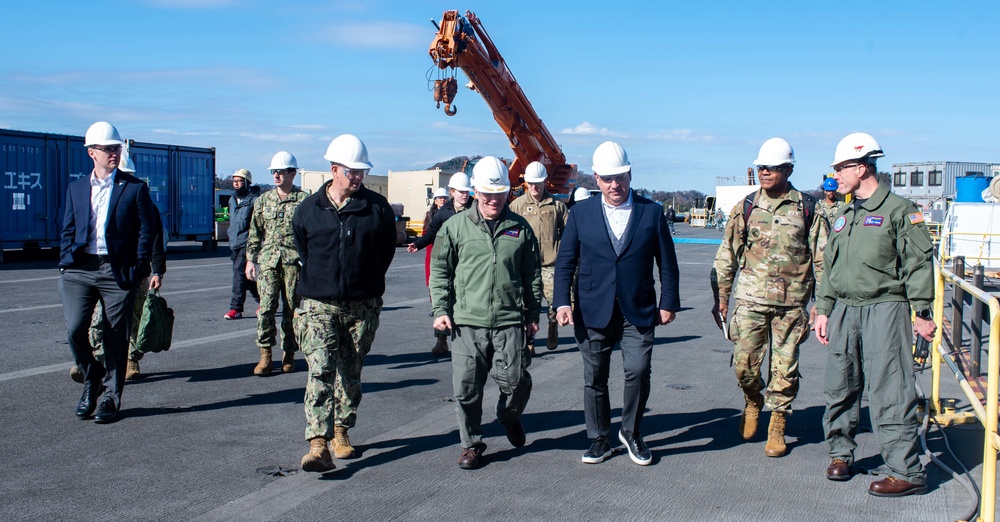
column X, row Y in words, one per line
column 977, row 324
column 957, row 304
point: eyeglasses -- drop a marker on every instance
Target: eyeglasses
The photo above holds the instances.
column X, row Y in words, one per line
column 619, row 178
column 839, row 168
column 277, row 172
column 770, row 168
column 354, row 173
column 108, row 149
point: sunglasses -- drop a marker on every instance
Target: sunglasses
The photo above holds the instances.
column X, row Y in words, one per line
column 844, row 167
column 770, row 168
column 276, row 172
column 108, row 149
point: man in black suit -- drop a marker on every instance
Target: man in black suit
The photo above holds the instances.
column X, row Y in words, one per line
column 107, row 241
column 610, row 244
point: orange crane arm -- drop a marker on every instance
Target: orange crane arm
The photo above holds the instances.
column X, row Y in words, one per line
column 462, row 42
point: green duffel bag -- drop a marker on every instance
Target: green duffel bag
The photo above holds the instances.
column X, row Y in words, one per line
column 156, row 328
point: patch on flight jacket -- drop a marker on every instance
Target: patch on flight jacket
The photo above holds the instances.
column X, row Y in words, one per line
column 915, row 218
column 873, row 221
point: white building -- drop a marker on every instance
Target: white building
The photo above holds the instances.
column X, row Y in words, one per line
column 931, row 184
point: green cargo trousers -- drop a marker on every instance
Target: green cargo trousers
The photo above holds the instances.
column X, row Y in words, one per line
column 499, row 352
column 873, row 344
column 757, row 330
column 276, row 286
column 335, row 336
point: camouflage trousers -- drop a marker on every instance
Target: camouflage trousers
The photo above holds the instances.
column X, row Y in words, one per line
column 755, row 328
column 548, row 289
column 96, row 333
column 276, row 286
column 334, row 336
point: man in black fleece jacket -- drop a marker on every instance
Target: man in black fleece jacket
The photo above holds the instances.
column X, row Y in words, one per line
column 346, row 236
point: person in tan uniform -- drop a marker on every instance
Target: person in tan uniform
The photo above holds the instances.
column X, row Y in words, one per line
column 547, row 217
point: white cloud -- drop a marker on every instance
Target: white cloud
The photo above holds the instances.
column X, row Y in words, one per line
column 589, row 129
column 684, row 135
column 378, row 34
column 173, row 132
column 280, row 138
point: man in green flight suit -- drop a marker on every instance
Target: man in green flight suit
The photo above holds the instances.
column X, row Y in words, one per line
column 878, row 266
column 486, row 287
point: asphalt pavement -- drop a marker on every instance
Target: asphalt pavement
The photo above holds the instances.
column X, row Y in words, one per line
column 200, row 437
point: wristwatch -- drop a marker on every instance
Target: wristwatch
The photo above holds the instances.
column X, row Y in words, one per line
column 924, row 314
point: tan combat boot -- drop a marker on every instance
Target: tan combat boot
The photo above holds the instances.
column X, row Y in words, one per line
column 341, row 445
column 288, row 362
column 553, row 340
column 775, row 446
column 318, row 459
column 132, row 371
column 751, row 413
column 264, row 366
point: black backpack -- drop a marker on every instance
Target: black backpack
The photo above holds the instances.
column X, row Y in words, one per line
column 808, row 211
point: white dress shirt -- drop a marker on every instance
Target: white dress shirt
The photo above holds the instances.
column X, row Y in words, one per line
column 618, row 216
column 100, row 200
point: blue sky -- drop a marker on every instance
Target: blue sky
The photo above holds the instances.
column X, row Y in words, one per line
column 690, row 89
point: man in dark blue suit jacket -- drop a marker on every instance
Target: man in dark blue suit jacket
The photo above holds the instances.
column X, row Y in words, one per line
column 107, row 240
column 610, row 245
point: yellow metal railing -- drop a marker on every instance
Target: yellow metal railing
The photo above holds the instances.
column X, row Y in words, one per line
column 988, row 415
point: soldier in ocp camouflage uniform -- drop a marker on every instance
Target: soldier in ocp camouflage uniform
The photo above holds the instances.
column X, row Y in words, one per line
column 346, row 237
column 273, row 262
column 779, row 260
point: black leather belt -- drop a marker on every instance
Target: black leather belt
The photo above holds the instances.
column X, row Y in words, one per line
column 93, row 259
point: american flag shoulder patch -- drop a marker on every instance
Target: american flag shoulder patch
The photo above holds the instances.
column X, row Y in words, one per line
column 915, row 218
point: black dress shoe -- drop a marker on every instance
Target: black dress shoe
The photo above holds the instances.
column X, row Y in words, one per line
column 88, row 401
column 106, row 410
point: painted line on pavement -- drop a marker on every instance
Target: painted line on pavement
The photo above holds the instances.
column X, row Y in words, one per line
column 697, row 241
column 31, row 372
column 170, row 268
column 164, row 294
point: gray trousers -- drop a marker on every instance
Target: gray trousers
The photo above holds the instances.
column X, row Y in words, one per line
column 503, row 354
column 81, row 289
column 873, row 343
column 637, row 350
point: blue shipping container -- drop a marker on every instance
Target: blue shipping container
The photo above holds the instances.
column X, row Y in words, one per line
column 37, row 168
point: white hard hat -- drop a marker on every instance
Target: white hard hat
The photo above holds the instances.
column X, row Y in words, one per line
column 490, row 176
column 535, row 172
column 283, row 160
column 857, row 146
column 102, row 133
column 610, row 159
column 125, row 164
column 349, row 151
column 441, row 192
column 774, row 152
column 580, row 194
column 245, row 174
column 460, row 181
